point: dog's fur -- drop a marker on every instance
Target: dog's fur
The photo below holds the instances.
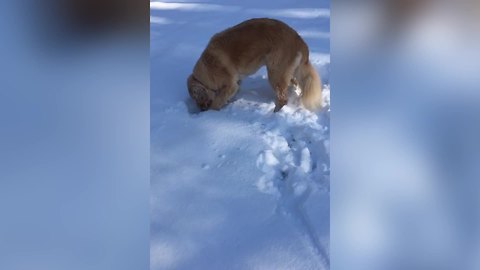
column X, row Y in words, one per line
column 240, row 51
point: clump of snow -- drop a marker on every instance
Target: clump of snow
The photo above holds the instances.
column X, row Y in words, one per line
column 300, row 188
column 265, row 184
column 266, row 160
column 305, row 162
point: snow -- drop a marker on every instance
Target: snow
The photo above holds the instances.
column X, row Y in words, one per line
column 243, row 187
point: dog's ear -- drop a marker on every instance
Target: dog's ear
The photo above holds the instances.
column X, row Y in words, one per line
column 199, row 93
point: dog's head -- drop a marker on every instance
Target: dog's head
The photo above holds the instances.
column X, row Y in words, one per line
column 200, row 93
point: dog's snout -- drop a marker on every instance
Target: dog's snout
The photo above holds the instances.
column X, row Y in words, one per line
column 204, row 106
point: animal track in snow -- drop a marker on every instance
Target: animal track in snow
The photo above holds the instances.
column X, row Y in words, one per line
column 294, row 166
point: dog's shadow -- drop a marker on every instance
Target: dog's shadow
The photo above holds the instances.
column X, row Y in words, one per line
column 255, row 89
column 192, row 106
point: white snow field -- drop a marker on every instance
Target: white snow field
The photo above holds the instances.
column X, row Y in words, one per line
column 243, row 187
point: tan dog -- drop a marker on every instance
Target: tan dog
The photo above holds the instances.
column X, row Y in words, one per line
column 240, row 51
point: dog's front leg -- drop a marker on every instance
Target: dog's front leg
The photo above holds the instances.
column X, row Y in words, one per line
column 223, row 95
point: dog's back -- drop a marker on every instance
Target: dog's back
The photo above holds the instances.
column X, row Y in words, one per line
column 250, row 41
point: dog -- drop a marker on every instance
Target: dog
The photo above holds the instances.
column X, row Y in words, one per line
column 240, row 51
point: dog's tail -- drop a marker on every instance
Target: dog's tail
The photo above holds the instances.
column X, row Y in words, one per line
column 311, row 86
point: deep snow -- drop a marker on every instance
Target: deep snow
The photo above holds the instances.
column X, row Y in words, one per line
column 239, row 188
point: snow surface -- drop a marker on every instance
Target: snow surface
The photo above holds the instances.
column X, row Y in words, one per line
column 243, row 187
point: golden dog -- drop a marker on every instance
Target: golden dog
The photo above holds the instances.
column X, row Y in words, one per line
column 240, row 51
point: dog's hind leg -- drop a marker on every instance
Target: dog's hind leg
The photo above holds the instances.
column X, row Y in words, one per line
column 280, row 75
column 294, row 82
column 279, row 83
column 281, row 99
